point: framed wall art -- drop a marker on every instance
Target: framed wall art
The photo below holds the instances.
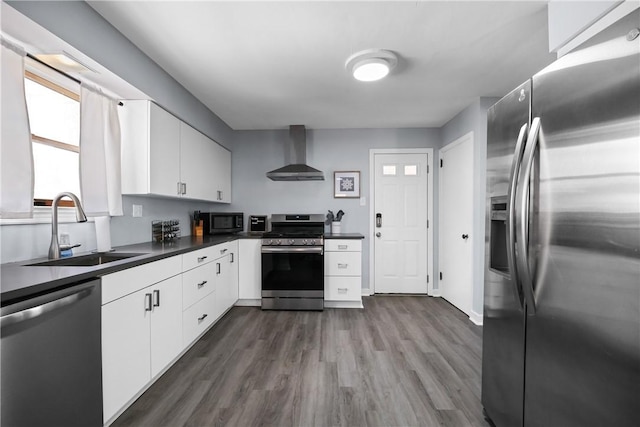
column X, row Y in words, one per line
column 346, row 184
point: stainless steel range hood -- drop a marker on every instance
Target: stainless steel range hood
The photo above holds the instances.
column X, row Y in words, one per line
column 297, row 170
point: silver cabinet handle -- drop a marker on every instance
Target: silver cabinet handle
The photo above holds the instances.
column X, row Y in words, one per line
column 156, row 298
column 217, row 268
column 201, row 284
column 511, row 219
column 202, row 258
column 201, row 318
column 50, row 306
column 522, row 215
column 147, row 302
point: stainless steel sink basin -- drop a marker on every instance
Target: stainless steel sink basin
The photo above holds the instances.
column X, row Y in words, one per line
column 87, row 260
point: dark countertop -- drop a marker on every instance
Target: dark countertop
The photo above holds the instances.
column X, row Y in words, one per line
column 19, row 280
column 343, row 236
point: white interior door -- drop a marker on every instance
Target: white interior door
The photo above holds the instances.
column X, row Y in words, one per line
column 456, row 222
column 400, row 228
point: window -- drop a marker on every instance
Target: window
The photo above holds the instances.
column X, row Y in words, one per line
column 53, row 105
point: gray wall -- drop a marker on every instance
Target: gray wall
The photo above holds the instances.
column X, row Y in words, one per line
column 474, row 118
column 257, row 152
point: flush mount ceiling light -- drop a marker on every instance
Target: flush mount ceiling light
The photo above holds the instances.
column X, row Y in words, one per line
column 64, row 62
column 371, row 64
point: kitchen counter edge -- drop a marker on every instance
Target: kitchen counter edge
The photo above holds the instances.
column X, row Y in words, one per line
column 19, row 280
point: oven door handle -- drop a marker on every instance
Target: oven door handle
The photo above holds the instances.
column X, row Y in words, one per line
column 294, row 249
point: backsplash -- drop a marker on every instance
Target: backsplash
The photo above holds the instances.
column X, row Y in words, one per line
column 29, row 241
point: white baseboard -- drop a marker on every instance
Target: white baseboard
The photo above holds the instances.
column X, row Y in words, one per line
column 476, row 318
column 249, row 302
column 343, row 304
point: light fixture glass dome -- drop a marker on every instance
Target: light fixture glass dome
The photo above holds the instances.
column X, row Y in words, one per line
column 370, row 70
column 371, row 65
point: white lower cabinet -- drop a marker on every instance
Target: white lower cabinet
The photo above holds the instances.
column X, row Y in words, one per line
column 250, row 275
column 153, row 312
column 141, row 335
column 343, row 273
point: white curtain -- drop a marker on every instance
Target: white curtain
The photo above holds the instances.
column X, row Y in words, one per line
column 99, row 154
column 16, row 155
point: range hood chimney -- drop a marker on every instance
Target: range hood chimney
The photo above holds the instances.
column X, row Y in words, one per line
column 297, row 170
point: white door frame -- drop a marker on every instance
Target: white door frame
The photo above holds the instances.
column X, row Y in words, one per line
column 372, row 231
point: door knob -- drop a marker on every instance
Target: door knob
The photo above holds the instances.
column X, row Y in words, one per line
column 465, row 236
column 378, row 234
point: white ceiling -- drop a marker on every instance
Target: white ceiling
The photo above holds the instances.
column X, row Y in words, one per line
column 266, row 65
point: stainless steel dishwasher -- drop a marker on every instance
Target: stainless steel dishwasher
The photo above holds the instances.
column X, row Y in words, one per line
column 51, row 359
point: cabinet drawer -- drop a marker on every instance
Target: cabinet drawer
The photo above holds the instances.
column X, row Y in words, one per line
column 197, row 283
column 342, row 263
column 331, row 245
column 342, row 288
column 197, row 258
column 121, row 283
column 197, row 318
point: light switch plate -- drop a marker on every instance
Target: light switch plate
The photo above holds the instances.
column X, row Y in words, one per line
column 137, row 211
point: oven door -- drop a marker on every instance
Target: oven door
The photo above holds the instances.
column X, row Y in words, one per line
column 293, row 278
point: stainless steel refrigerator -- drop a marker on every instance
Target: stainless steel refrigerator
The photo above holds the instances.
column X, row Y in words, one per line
column 561, row 335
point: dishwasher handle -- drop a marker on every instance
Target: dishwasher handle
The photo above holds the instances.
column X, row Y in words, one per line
column 33, row 312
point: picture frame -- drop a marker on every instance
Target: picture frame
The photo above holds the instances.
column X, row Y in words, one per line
column 346, row 184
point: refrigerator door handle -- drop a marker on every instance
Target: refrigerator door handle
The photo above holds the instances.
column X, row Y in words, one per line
column 522, row 215
column 511, row 215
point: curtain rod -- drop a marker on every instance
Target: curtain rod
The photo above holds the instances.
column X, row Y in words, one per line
column 59, row 71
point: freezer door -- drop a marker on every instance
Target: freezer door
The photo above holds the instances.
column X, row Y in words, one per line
column 583, row 342
column 503, row 323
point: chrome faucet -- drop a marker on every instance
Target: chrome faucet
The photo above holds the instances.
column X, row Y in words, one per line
column 54, row 247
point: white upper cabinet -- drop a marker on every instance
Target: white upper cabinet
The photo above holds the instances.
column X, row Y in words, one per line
column 161, row 155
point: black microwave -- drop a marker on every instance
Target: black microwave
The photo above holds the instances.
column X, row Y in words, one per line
column 222, row 222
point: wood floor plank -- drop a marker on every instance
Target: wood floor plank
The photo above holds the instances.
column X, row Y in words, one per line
column 402, row 361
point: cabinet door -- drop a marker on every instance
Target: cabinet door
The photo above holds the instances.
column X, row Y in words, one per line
column 126, row 365
column 197, row 169
column 222, row 170
column 164, row 152
column 249, row 276
column 166, row 323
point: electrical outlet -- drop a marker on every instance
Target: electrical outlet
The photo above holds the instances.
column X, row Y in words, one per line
column 137, row 211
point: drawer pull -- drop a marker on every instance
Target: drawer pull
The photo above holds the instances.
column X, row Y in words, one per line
column 343, row 290
column 343, row 246
column 202, row 258
column 201, row 284
column 200, row 319
column 343, row 265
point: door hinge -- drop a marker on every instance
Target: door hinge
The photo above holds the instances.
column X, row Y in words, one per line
column 441, row 275
column 440, row 162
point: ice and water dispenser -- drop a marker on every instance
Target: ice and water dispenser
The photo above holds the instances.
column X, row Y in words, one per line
column 498, row 261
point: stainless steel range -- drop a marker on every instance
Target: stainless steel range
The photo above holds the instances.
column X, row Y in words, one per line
column 293, row 263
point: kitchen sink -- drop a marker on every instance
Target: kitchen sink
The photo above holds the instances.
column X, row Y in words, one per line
column 86, row 260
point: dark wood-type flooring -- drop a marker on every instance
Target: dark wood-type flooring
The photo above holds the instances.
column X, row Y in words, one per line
column 402, row 361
